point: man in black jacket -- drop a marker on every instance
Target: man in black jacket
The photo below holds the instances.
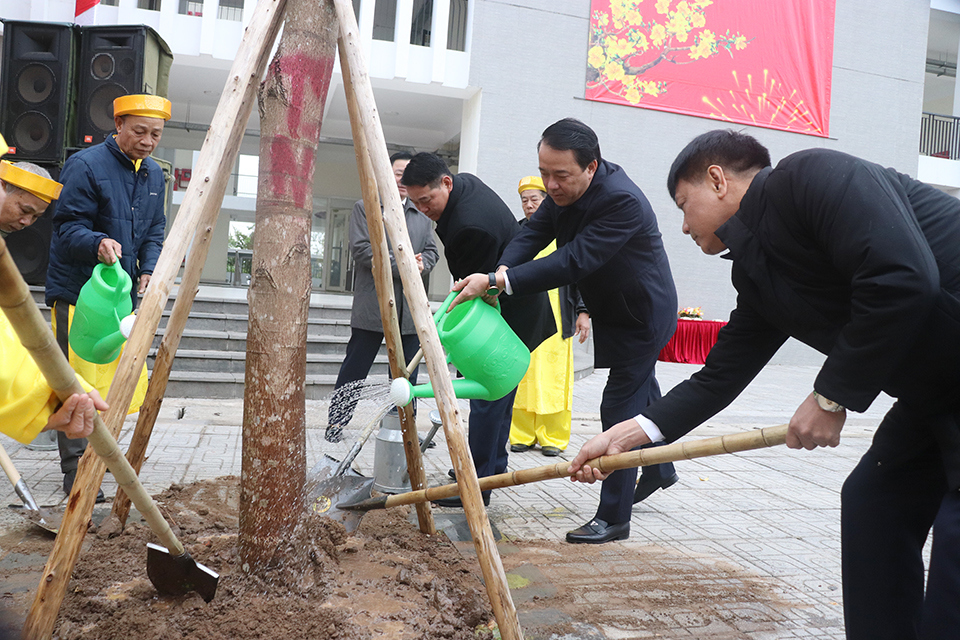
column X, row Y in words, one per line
column 608, row 244
column 475, row 225
column 863, row 264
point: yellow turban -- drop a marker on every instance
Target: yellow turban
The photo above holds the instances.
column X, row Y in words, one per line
column 143, row 105
column 44, row 188
column 530, row 182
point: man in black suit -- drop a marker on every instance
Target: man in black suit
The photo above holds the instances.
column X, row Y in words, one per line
column 608, row 244
column 863, row 264
column 475, row 225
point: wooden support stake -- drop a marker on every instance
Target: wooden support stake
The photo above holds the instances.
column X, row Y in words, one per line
column 494, row 576
column 162, row 365
column 201, row 204
column 383, row 279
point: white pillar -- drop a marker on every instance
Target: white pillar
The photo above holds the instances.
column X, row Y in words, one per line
column 470, row 134
column 401, row 37
column 438, row 39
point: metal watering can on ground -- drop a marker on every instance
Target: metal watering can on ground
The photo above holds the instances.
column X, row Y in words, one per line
column 102, row 315
column 483, row 348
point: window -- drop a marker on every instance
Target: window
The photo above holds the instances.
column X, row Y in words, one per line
column 248, row 167
column 457, row 26
column 422, row 22
column 149, row 5
column 230, row 10
column 384, row 20
column 110, row 3
column 191, row 7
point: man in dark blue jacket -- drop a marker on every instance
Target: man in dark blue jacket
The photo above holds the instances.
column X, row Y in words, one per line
column 111, row 208
column 608, row 244
column 475, row 225
column 863, row 264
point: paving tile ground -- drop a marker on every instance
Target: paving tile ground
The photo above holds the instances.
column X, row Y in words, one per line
column 771, row 512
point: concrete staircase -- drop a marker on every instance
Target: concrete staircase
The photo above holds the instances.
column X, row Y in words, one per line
column 211, row 357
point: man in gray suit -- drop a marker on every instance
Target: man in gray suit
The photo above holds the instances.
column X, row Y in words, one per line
column 365, row 324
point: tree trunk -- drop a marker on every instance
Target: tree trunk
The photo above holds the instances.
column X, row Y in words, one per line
column 291, row 109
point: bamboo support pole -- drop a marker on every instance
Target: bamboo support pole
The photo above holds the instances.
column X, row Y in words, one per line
column 38, row 339
column 731, row 443
column 494, row 576
column 383, row 279
column 200, row 206
column 163, row 363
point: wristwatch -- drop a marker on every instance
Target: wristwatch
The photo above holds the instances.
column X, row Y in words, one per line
column 493, row 289
column 827, row 405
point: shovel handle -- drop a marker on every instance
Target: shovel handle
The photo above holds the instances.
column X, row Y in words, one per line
column 37, row 338
column 7, row 464
column 732, row 443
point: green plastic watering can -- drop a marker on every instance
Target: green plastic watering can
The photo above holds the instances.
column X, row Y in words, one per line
column 102, row 318
column 483, row 348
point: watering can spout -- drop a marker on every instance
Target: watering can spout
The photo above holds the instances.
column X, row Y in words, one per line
column 402, row 392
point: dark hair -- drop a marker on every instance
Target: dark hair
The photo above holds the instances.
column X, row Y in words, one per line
column 734, row 151
column 570, row 134
column 400, row 155
column 425, row 169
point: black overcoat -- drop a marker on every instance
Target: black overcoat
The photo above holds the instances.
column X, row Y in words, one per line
column 609, row 245
column 475, row 227
column 861, row 263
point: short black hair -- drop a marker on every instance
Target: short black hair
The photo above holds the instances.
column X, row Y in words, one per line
column 425, row 169
column 400, row 155
column 733, row 150
column 570, row 134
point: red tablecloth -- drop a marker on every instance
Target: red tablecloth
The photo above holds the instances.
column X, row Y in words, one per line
column 692, row 341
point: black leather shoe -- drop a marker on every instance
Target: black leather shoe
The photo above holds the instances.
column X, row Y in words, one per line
column 334, row 433
column 597, row 532
column 551, row 452
column 456, row 503
column 452, row 474
column 520, row 448
column 646, row 485
column 68, row 479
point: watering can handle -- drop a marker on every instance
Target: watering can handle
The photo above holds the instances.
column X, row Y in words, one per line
column 442, row 311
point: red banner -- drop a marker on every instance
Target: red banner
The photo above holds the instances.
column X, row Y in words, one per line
column 85, row 5
column 758, row 62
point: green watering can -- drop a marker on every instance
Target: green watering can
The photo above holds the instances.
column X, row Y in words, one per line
column 102, row 318
column 481, row 345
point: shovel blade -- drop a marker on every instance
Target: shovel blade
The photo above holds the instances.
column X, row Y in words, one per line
column 42, row 517
column 325, row 490
column 176, row 575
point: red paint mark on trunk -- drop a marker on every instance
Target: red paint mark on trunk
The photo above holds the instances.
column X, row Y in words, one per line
column 305, row 73
column 292, row 170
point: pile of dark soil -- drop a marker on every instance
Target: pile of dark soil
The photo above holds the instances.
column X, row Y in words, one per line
column 385, row 580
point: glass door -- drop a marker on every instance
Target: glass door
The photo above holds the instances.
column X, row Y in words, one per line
column 338, row 260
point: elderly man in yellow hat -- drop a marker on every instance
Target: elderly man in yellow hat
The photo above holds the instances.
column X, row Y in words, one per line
column 111, row 208
column 28, row 190
column 27, row 403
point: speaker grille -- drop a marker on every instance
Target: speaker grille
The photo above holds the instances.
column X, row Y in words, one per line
column 35, row 83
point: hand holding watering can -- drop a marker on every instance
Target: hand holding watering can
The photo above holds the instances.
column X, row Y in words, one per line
column 481, row 345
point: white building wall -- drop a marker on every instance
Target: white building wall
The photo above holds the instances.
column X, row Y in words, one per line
column 533, row 73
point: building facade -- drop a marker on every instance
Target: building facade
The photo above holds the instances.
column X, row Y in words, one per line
column 478, row 80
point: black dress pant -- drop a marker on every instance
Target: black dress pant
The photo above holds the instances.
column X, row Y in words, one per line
column 71, row 449
column 890, row 502
column 362, row 350
column 628, row 391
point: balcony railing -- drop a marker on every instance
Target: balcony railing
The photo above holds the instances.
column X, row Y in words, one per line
column 940, row 136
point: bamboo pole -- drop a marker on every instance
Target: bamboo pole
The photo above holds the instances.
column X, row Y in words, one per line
column 494, row 576
column 163, row 363
column 730, row 443
column 383, row 279
column 200, row 206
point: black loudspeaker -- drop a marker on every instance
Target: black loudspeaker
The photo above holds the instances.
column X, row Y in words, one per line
column 30, row 247
column 36, row 89
column 116, row 61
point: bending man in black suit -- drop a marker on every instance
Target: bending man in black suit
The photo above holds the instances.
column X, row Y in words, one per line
column 608, row 244
column 863, row 264
column 475, row 225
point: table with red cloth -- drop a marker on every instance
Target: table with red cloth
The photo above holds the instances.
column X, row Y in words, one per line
column 692, row 341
